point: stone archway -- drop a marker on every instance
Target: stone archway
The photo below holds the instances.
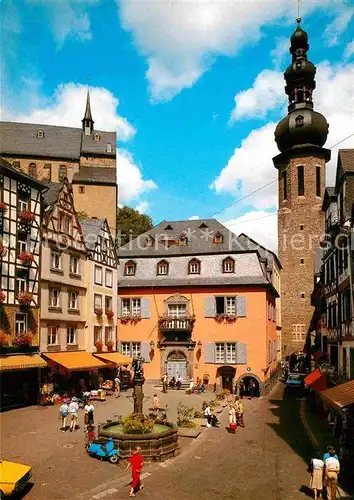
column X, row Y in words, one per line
column 172, row 356
column 248, row 377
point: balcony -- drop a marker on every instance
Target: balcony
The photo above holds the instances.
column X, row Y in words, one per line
column 173, row 324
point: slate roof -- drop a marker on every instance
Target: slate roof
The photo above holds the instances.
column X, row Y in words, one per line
column 58, row 142
column 346, row 157
column 217, row 281
column 20, row 175
column 50, row 197
column 95, row 175
column 200, row 234
column 265, row 253
column 91, row 229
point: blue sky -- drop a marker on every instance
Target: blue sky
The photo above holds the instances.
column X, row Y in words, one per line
column 192, row 88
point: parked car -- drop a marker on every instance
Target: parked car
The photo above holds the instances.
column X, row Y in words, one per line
column 13, row 477
column 295, row 380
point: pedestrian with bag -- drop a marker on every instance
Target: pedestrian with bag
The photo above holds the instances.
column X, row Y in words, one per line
column 316, row 482
column 332, row 468
column 63, row 414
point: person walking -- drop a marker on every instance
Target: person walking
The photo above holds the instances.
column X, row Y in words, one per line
column 232, row 417
column 136, row 463
column 332, row 468
column 208, row 415
column 116, row 386
column 155, row 402
column 239, row 412
column 88, row 418
column 73, row 410
column 164, row 383
column 191, row 384
column 63, row 414
column 316, row 482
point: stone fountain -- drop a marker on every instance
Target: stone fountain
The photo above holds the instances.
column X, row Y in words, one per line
column 159, row 444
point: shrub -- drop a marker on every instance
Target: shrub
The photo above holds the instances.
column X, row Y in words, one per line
column 184, row 415
column 134, row 425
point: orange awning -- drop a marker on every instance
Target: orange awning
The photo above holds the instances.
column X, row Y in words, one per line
column 340, row 396
column 21, row 362
column 79, row 360
column 114, row 357
column 316, row 381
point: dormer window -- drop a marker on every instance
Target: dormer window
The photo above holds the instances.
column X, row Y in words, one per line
column 194, row 266
column 203, row 226
column 97, row 137
column 32, row 170
column 228, row 265
column 218, row 238
column 130, row 268
column 40, row 134
column 148, row 242
column 109, row 147
column 183, row 240
column 168, row 227
column 162, row 268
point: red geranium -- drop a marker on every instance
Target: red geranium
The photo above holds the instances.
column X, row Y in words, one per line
column 26, row 216
column 3, row 207
column 26, row 257
column 109, row 313
column 98, row 311
column 99, row 345
column 25, row 298
column 23, row 340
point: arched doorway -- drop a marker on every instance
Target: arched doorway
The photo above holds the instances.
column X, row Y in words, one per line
column 227, row 374
column 249, row 386
column 176, row 365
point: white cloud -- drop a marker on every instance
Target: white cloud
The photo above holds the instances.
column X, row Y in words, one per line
column 67, row 107
column 143, row 207
column 266, row 93
column 180, row 39
column 258, row 225
column 349, row 50
column 280, row 50
column 339, row 24
column 194, row 217
column 131, row 185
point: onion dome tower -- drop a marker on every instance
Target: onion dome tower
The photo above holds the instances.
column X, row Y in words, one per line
column 300, row 138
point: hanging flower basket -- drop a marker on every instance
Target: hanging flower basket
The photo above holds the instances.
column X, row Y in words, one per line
column 99, row 346
column 23, row 340
column 26, row 258
column 26, row 216
column 3, row 208
column 110, row 345
column 98, row 311
column 25, row 298
column 4, row 338
column 109, row 313
column 2, row 297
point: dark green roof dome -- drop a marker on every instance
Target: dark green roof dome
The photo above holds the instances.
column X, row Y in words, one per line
column 299, row 39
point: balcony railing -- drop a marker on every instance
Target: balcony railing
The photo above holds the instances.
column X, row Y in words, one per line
column 184, row 324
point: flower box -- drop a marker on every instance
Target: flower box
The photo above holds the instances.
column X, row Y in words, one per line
column 25, row 298
column 26, row 257
column 98, row 311
column 23, row 340
column 2, row 297
column 110, row 345
column 26, row 216
column 99, row 346
column 131, row 318
column 3, row 208
column 109, row 313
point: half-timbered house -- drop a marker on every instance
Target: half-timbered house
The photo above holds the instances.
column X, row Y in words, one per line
column 20, row 250
column 102, row 275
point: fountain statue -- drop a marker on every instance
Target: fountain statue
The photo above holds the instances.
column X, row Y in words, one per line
column 138, row 381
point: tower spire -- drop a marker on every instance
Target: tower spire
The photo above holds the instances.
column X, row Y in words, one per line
column 87, row 121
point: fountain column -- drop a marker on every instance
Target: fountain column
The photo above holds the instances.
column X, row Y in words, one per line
column 138, row 395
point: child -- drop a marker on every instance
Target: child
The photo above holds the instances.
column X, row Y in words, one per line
column 90, row 433
column 155, row 402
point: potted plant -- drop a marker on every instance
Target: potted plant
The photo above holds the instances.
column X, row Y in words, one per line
column 2, row 297
column 110, row 345
column 98, row 311
column 109, row 313
column 99, row 345
column 4, row 339
column 25, row 298
column 3, row 208
column 26, row 216
column 26, row 257
column 25, row 339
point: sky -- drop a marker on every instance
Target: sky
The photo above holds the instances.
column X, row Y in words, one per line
column 194, row 90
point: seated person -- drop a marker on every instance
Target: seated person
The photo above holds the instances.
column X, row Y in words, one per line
column 172, row 382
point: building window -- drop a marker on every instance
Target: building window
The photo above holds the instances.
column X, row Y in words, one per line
column 20, row 323
column 131, row 307
column 71, row 335
column 108, row 302
column 22, row 201
column 32, row 170
column 302, row 295
column 74, row 264
column 97, row 137
column 21, row 284
column 73, row 300
column 230, row 353
column 218, row 238
column 54, row 297
column 285, row 185
column 318, row 181
column 81, row 189
column 302, row 261
column 194, row 266
column 177, row 310
column 40, row 134
column 21, row 242
column 225, row 305
column 52, row 335
column 97, row 334
column 228, row 265
column 301, row 227
column 108, row 334
column 300, row 180
column 67, row 220
column 219, row 353
column 298, row 333
column 109, row 278
column 130, row 268
column 131, row 349
column 98, row 275
column 109, row 147
column 97, row 301
column 62, row 173
column 55, row 260
column 162, row 268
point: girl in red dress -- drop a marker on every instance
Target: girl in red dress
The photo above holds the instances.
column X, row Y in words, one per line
column 136, row 463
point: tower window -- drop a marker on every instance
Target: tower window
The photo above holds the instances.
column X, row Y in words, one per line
column 40, row 134
column 62, row 173
column 97, row 137
column 302, row 295
column 302, row 261
column 300, row 181
column 318, row 181
column 285, row 192
column 301, row 227
column 81, row 189
column 109, row 147
column 32, row 170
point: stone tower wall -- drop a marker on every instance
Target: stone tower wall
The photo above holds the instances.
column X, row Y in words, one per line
column 300, row 229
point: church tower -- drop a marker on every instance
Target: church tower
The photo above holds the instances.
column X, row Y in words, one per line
column 87, row 121
column 300, row 137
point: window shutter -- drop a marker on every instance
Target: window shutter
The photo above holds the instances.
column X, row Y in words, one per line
column 241, row 353
column 209, row 307
column 119, row 347
column 145, row 308
column 119, row 307
column 209, row 352
column 145, row 351
column 241, row 306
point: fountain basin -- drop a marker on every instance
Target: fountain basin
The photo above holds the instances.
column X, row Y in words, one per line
column 160, row 444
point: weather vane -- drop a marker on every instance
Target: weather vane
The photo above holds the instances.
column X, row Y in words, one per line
column 298, row 19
